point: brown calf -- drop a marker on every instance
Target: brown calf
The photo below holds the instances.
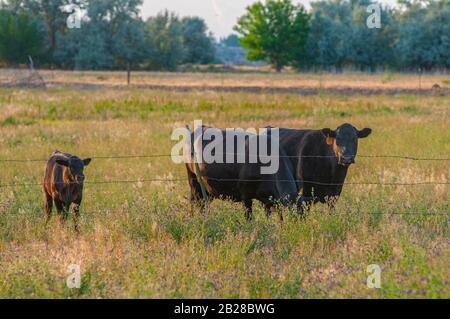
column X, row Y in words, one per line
column 63, row 184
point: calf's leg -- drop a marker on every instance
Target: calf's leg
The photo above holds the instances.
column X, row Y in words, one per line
column 60, row 209
column 48, row 203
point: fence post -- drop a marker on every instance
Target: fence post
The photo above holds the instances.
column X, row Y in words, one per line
column 199, row 173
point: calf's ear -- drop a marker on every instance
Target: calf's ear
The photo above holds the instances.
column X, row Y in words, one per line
column 364, row 133
column 87, row 161
column 62, row 162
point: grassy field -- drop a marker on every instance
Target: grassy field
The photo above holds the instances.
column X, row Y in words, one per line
column 140, row 239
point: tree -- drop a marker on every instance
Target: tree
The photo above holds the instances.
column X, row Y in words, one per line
column 129, row 44
column 424, row 34
column 111, row 36
column 274, row 31
column 198, row 44
column 19, row 37
column 230, row 51
column 50, row 13
column 165, row 41
column 231, row 41
column 339, row 37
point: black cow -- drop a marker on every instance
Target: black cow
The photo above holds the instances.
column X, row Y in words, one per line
column 321, row 159
column 240, row 182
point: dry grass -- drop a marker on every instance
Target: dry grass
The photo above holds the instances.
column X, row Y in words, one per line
column 140, row 240
column 325, row 81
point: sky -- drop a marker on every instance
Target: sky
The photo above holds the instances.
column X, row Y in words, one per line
column 220, row 15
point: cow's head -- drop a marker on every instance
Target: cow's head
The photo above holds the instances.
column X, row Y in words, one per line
column 75, row 167
column 345, row 142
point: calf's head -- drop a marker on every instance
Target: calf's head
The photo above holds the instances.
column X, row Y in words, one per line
column 75, row 167
column 344, row 141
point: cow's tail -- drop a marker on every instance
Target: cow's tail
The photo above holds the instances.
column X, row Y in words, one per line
column 188, row 146
column 193, row 157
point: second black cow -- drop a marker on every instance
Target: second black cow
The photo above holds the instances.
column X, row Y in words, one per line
column 238, row 181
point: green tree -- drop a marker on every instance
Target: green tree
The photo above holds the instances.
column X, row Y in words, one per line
column 52, row 16
column 274, row 31
column 198, row 44
column 165, row 41
column 19, row 37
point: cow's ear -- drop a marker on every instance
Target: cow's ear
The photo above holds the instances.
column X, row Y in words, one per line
column 87, row 161
column 329, row 133
column 364, row 133
column 62, row 162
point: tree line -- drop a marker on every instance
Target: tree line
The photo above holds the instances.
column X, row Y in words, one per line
column 111, row 35
column 333, row 35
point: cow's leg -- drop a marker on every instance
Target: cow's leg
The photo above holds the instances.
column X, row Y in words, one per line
column 332, row 202
column 268, row 209
column 248, row 209
column 196, row 193
column 304, row 204
column 280, row 215
column 305, row 201
column 48, row 203
column 66, row 211
column 59, row 206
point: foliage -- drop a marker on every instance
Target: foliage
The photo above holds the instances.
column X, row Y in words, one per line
column 274, row 31
column 332, row 36
column 19, row 37
column 424, row 35
column 198, row 44
column 165, row 40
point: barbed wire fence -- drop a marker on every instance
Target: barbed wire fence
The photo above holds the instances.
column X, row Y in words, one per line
column 403, row 157
column 184, row 179
column 117, row 157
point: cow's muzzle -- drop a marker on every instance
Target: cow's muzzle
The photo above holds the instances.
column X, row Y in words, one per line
column 346, row 160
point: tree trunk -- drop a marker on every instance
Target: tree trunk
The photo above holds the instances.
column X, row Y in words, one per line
column 278, row 68
column 128, row 73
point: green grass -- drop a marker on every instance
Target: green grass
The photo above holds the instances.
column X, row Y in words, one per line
column 142, row 240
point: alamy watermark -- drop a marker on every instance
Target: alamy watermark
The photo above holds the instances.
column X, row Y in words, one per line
column 74, row 19
column 73, row 281
column 374, row 278
column 374, row 19
column 230, row 146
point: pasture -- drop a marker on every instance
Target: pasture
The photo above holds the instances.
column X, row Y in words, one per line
column 139, row 238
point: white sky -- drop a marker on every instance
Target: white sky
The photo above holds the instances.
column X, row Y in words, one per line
column 220, row 15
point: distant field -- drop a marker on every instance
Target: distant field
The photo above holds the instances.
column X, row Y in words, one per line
column 140, row 239
column 341, row 83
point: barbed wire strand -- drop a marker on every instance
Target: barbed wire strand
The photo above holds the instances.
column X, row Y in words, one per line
column 407, row 157
column 225, row 180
